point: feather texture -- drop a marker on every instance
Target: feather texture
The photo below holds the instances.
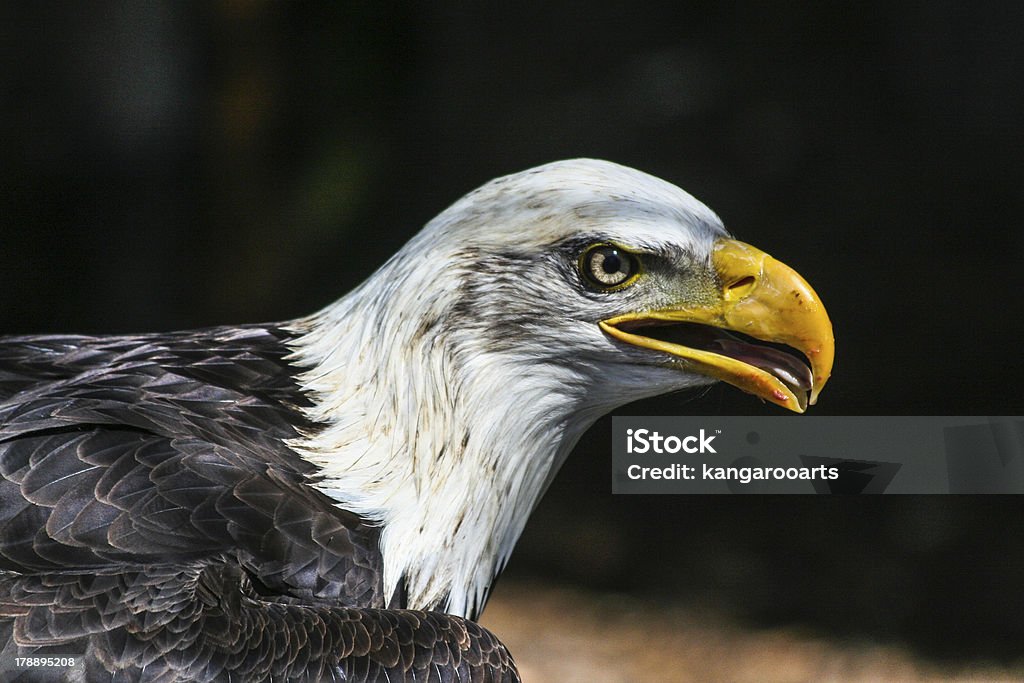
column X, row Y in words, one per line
column 153, row 520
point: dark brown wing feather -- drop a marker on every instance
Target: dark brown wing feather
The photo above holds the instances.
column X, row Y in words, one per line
column 153, row 518
column 205, row 622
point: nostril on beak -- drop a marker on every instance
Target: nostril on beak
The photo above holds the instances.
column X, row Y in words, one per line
column 740, row 288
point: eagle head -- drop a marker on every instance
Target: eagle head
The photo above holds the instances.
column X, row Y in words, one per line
column 630, row 281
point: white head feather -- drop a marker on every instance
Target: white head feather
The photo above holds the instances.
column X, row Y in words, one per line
column 456, row 379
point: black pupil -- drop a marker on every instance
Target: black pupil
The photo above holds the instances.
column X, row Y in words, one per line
column 612, row 263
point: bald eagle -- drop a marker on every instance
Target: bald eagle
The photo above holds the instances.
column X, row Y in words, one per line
column 332, row 497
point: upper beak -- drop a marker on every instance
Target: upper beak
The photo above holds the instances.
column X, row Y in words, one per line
column 760, row 298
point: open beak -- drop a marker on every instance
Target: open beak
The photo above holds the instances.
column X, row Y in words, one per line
column 764, row 330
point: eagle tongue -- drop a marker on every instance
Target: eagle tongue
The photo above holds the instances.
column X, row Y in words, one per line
column 786, row 367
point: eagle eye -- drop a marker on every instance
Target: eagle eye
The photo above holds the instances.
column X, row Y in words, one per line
column 608, row 266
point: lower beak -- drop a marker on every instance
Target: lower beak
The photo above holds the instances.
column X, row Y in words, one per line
column 763, row 300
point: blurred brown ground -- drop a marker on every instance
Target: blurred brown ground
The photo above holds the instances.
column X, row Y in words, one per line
column 560, row 635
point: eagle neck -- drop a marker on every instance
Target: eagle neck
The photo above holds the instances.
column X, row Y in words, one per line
column 444, row 442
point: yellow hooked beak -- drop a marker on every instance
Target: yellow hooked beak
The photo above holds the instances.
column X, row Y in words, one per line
column 761, row 299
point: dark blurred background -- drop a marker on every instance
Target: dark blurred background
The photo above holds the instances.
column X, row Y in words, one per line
column 170, row 165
